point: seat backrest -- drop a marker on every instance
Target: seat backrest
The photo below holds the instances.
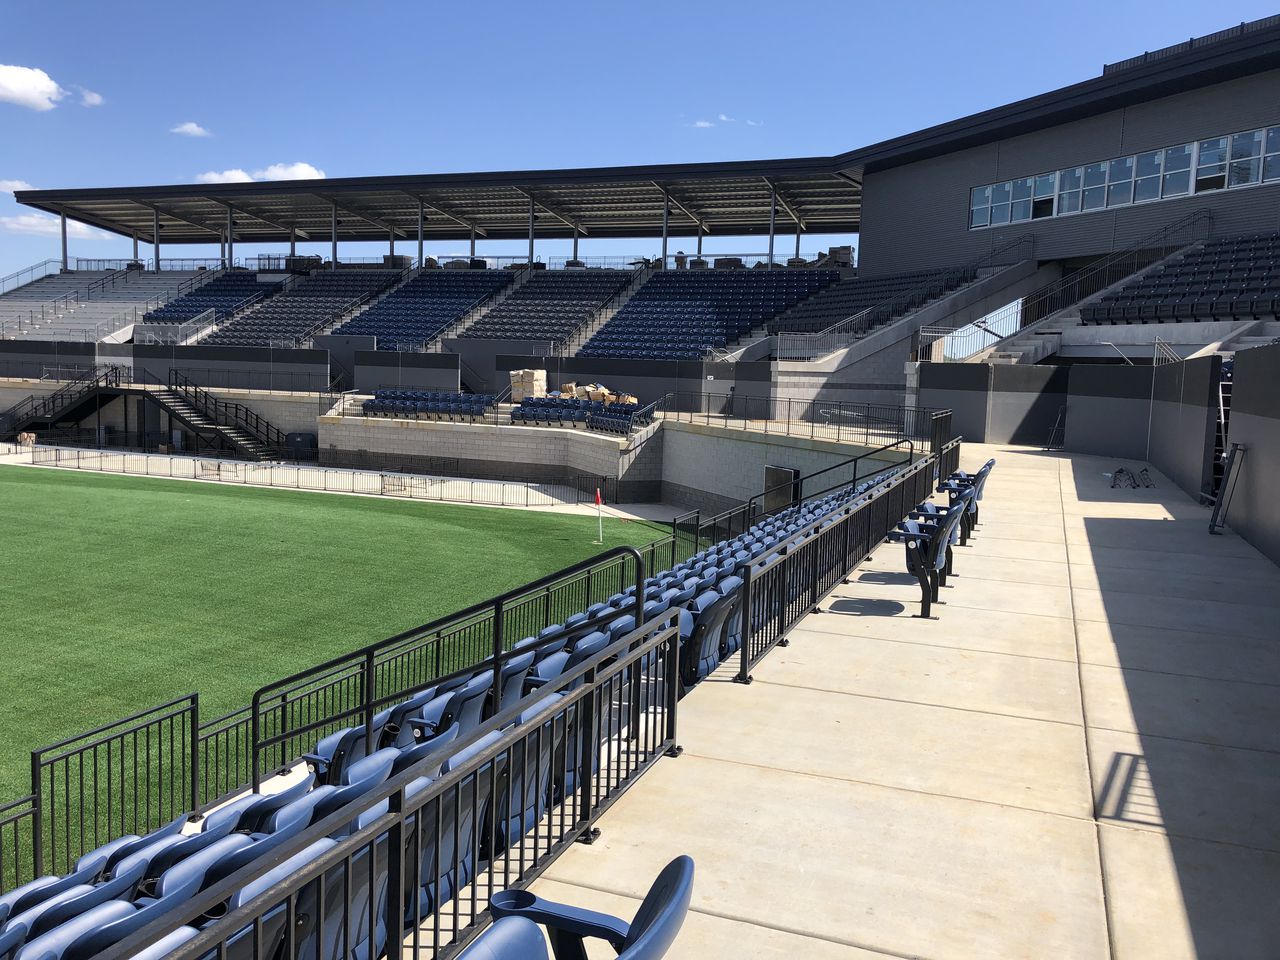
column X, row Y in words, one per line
column 511, row 938
column 662, row 913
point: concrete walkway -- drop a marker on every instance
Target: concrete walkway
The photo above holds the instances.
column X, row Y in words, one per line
column 1079, row 758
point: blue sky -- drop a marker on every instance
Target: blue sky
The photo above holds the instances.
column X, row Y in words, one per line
column 377, row 88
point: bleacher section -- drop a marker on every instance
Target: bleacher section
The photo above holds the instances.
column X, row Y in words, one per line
column 840, row 301
column 681, row 314
column 107, row 303
column 621, row 418
column 550, row 306
column 221, row 294
column 419, row 310
column 428, row 403
column 290, row 317
column 1236, row 278
column 124, row 885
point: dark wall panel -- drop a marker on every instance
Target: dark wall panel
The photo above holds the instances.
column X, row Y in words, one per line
column 1183, row 421
column 1108, row 410
column 1254, row 510
column 1025, row 403
column 962, row 388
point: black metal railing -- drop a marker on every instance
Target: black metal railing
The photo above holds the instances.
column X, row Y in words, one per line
column 48, row 407
column 227, row 413
column 17, row 855
column 842, row 421
column 786, row 587
column 699, row 531
column 423, row 872
column 290, row 715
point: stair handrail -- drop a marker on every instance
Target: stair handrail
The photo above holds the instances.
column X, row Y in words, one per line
column 563, row 348
column 239, row 415
column 434, row 344
column 71, row 296
column 1096, row 276
column 42, row 265
column 47, row 406
column 805, row 346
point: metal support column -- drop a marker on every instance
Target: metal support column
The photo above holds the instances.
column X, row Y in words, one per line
column 391, row 245
column 797, row 241
column 531, row 232
column 293, row 243
column 155, row 237
column 699, row 241
column 222, row 248
column 333, row 234
column 473, row 242
column 773, row 213
column 666, row 216
column 421, row 215
column 231, row 238
column 135, row 248
column 63, row 218
column 575, row 243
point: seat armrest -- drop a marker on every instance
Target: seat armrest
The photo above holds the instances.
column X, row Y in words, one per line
column 317, row 761
column 422, row 729
column 560, row 916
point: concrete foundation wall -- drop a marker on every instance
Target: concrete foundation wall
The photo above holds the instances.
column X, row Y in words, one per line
column 1108, row 410
column 1183, row 421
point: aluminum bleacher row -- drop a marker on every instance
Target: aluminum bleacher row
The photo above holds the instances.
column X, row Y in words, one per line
column 420, row 309
column 304, row 308
column 840, row 301
column 118, row 889
column 681, row 314
column 221, row 294
column 428, row 403
column 550, row 305
column 1232, row 278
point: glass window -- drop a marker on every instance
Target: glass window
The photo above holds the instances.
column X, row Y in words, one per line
column 979, row 216
column 1176, row 184
column 980, row 197
column 1146, row 188
column 999, row 213
column 1069, row 202
column 1245, row 145
column 1121, row 169
column 1243, row 172
column 1020, row 210
column 1177, row 158
column 1095, row 198
column 1022, row 189
column 1271, row 168
column 1041, row 208
column 1149, row 164
column 1000, row 192
column 1045, row 185
column 1119, row 194
column 1095, row 174
column 1072, row 179
column 1211, row 165
column 1273, row 140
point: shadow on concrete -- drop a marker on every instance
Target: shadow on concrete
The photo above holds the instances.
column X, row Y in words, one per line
column 894, row 578
column 866, row 607
column 1207, row 770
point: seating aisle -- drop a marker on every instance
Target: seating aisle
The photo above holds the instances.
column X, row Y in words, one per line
column 891, row 786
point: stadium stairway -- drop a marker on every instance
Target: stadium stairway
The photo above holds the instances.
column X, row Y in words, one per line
column 475, row 315
column 607, row 312
column 216, row 423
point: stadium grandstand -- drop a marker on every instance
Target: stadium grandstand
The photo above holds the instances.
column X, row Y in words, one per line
column 913, row 603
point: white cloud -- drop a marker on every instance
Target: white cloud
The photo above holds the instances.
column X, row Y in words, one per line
column 90, row 99
column 701, row 124
column 289, row 171
column 277, row 171
column 724, row 118
column 235, row 175
column 44, row 225
column 29, row 87
column 190, row 128
column 12, row 186
column 755, row 123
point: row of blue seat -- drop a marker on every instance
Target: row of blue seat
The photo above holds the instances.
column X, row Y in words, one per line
column 118, row 888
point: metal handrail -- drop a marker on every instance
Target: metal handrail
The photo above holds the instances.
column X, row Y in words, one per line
column 1070, row 290
column 45, row 407
column 57, row 264
column 575, row 338
column 435, row 344
column 238, row 413
column 806, row 346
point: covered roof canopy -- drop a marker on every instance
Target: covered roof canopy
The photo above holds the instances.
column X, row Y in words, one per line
column 729, row 199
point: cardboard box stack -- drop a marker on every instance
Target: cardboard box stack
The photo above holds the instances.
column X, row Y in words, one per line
column 528, row 383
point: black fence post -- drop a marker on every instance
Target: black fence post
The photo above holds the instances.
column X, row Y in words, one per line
column 672, row 658
column 497, row 648
column 586, row 754
column 744, row 669
column 37, row 821
column 194, row 719
column 370, row 694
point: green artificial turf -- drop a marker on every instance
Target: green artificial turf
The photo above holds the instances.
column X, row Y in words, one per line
column 120, row 593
